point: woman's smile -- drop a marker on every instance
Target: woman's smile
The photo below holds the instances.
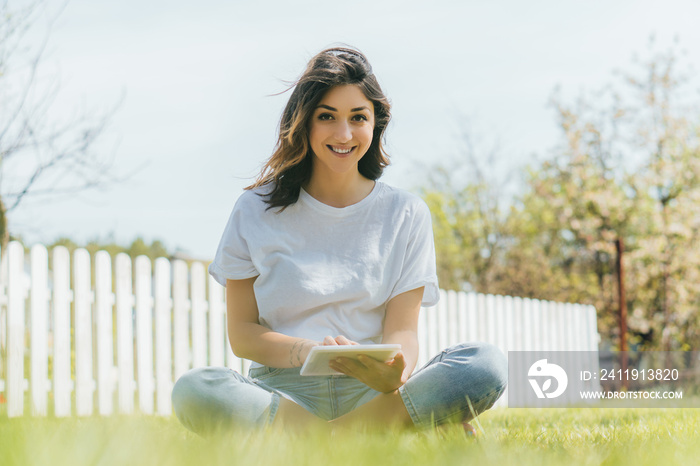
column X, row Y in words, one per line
column 341, row 151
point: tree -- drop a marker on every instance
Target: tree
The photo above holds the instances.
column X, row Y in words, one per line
column 628, row 167
column 39, row 156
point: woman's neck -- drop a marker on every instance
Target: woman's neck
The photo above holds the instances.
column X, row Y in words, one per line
column 340, row 191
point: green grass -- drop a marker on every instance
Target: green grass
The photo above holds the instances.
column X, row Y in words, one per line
column 510, row 436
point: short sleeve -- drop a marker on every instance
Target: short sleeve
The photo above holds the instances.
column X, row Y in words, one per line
column 419, row 269
column 232, row 260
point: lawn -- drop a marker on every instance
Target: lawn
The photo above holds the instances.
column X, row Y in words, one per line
column 510, row 436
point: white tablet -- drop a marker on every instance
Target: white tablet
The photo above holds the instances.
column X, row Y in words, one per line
column 317, row 361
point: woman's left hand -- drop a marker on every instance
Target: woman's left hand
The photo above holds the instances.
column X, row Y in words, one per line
column 384, row 377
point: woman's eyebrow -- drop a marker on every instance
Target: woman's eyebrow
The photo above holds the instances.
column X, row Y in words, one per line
column 356, row 109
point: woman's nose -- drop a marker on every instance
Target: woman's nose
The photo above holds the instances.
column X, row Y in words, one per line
column 343, row 132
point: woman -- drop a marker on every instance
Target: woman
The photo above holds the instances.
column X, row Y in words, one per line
column 318, row 252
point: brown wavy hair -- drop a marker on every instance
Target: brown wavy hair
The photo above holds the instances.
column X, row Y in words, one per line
column 289, row 167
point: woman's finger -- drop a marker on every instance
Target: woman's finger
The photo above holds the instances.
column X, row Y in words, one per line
column 341, row 340
column 399, row 360
column 329, row 341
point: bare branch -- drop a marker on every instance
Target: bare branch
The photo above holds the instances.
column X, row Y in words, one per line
column 64, row 151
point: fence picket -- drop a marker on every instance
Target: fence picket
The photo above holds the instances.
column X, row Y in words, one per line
column 498, row 323
column 431, row 333
column 441, row 330
column 552, row 319
column 181, row 307
column 83, row 333
column 508, row 330
column 62, row 297
column 491, row 317
column 481, row 317
column 40, row 329
column 561, row 326
column 104, row 304
column 527, row 326
column 144, row 334
column 15, row 327
column 472, row 317
column 199, row 317
column 517, row 324
column 125, row 333
column 216, row 323
column 452, row 318
column 3, row 310
column 462, row 322
column 163, row 307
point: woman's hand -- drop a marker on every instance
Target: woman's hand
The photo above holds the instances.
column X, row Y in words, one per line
column 384, row 377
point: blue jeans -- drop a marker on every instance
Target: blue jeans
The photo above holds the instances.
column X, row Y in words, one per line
column 212, row 398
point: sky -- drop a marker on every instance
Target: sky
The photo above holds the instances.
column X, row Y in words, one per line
column 196, row 117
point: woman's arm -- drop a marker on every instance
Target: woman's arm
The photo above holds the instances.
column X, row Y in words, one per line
column 400, row 326
column 250, row 340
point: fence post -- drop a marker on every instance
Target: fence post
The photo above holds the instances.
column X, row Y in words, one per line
column 40, row 329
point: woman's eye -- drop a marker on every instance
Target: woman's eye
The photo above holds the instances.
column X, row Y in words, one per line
column 360, row 117
column 325, row 116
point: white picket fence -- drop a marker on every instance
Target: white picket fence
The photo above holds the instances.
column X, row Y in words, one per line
column 72, row 347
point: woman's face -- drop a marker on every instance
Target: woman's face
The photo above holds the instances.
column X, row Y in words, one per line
column 341, row 129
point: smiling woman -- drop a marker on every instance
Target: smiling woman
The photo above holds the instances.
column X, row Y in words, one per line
column 338, row 98
column 319, row 252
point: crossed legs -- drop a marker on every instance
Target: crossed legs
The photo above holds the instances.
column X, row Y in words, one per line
column 460, row 382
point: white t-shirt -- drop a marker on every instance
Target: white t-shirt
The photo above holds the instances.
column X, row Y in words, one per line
column 324, row 270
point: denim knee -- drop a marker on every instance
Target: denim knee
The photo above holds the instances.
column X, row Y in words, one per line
column 461, row 382
column 492, row 363
column 492, row 367
column 208, row 399
column 189, row 398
